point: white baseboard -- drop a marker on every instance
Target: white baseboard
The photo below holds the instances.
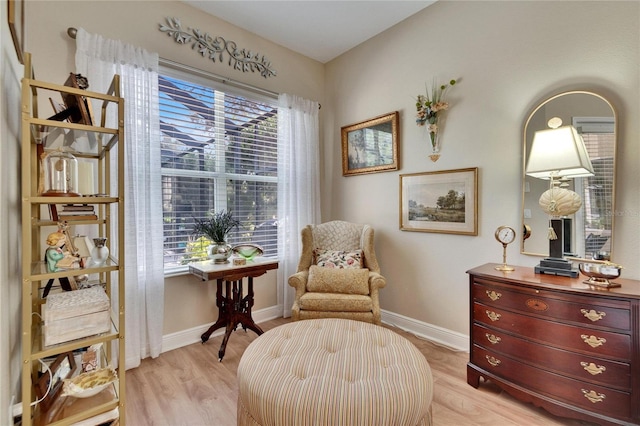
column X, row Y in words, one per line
column 192, row 335
column 451, row 339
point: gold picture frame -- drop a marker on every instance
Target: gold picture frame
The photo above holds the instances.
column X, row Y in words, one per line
column 16, row 25
column 443, row 201
column 370, row 146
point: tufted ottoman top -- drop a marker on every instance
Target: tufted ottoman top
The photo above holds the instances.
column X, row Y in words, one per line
column 333, row 372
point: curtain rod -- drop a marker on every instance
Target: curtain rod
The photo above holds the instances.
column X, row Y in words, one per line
column 73, row 32
column 219, row 78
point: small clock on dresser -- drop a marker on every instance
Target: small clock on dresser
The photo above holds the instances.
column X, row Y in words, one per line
column 505, row 235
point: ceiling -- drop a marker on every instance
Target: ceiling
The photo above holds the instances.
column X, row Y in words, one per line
column 319, row 29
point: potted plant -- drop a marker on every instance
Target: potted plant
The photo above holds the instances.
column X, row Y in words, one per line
column 217, row 228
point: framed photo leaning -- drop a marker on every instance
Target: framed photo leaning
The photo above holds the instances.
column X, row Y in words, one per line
column 15, row 11
column 49, row 383
column 444, row 201
column 370, row 146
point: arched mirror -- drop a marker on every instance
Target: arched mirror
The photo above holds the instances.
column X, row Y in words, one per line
column 589, row 231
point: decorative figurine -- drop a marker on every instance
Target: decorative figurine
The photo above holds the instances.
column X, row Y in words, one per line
column 58, row 259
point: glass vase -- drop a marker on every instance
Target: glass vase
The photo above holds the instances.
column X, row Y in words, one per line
column 435, row 146
column 99, row 252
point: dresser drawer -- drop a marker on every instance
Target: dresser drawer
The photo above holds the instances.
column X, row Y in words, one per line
column 579, row 366
column 585, row 395
column 570, row 337
column 577, row 309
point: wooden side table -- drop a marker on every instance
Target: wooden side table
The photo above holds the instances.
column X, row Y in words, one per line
column 234, row 307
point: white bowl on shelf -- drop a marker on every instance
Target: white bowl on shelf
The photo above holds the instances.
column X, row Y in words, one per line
column 89, row 384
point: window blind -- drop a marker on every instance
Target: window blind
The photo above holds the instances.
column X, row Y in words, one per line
column 597, row 193
column 219, row 152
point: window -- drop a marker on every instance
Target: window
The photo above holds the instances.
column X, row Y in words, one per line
column 219, row 152
column 597, row 190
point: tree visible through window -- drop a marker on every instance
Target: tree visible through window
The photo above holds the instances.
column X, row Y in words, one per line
column 219, row 152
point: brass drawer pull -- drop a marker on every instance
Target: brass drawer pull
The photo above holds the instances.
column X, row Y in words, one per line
column 593, row 341
column 493, row 361
column 493, row 338
column 494, row 295
column 593, row 396
column 593, row 315
column 592, row 368
column 493, row 316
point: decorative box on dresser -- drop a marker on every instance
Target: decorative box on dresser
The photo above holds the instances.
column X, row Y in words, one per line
column 558, row 343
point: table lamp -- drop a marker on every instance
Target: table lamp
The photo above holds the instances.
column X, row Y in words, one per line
column 558, row 154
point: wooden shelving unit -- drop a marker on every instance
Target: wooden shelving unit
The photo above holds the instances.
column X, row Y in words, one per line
column 102, row 145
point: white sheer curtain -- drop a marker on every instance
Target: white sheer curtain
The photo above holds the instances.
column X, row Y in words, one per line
column 99, row 59
column 298, row 184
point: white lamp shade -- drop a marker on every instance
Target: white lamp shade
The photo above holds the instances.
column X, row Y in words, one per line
column 558, row 153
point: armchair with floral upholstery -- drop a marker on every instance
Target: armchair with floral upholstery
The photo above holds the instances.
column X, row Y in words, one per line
column 338, row 274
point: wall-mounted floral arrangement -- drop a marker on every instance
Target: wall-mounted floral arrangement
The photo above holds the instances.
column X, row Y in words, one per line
column 429, row 109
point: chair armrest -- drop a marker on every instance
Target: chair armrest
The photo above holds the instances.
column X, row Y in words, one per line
column 376, row 281
column 299, row 282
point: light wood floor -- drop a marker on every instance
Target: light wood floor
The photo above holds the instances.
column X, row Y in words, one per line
column 188, row 386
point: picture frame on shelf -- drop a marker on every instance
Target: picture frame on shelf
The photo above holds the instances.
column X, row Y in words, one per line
column 442, row 201
column 16, row 26
column 49, row 383
column 371, row 146
column 80, row 110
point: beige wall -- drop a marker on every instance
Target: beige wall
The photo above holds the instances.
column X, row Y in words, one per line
column 508, row 57
column 137, row 22
column 10, row 239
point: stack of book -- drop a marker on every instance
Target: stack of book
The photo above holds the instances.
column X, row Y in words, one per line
column 72, row 212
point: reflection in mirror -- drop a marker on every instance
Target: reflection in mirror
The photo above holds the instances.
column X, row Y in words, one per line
column 589, row 232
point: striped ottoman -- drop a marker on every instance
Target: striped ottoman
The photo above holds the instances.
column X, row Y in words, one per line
column 333, row 372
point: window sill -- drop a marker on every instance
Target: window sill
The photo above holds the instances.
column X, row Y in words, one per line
column 176, row 272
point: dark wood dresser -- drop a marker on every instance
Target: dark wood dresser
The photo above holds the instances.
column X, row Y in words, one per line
column 557, row 343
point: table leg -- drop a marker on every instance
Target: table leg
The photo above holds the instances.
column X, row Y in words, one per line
column 223, row 347
column 223, row 304
column 247, row 305
column 233, row 308
column 237, row 303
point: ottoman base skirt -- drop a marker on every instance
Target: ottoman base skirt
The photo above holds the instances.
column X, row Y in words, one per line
column 333, row 372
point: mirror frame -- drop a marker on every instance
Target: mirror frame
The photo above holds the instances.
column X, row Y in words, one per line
column 524, row 161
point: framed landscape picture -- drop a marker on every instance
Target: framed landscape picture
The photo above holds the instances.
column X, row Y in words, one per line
column 370, row 146
column 444, row 201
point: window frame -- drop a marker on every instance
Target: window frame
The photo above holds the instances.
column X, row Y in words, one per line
column 222, row 88
column 591, row 126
